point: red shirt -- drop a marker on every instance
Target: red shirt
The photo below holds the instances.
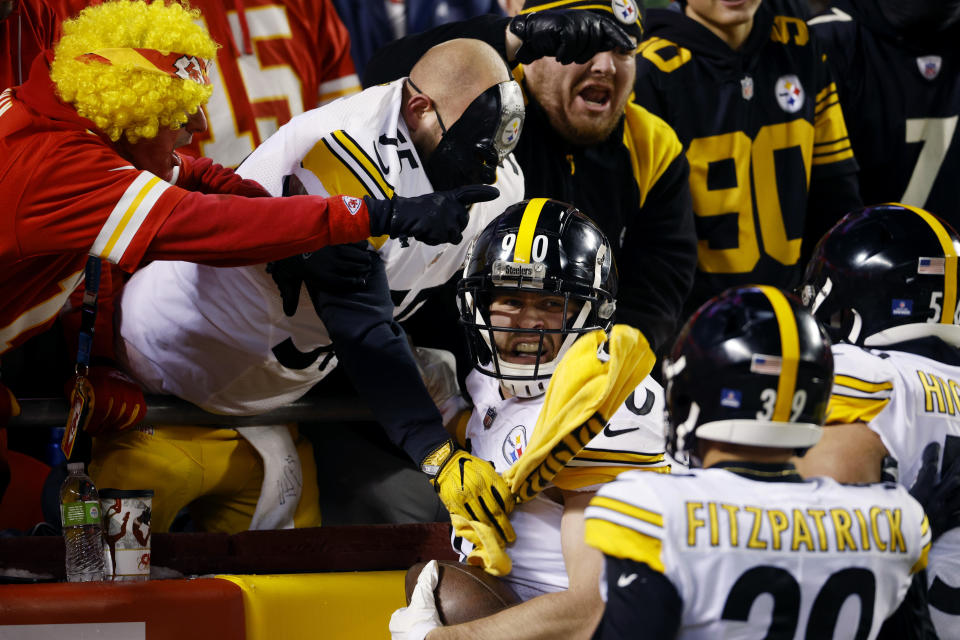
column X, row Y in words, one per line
column 277, row 59
column 67, row 193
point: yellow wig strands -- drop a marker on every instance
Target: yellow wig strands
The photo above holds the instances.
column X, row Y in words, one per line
column 124, row 100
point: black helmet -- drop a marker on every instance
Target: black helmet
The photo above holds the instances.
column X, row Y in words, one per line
column 545, row 247
column 750, row 367
column 884, row 274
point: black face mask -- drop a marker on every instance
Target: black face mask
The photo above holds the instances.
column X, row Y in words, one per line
column 913, row 15
column 470, row 150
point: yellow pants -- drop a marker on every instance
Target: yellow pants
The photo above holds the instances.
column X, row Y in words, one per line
column 215, row 472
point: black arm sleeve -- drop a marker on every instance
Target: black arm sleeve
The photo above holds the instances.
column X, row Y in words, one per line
column 396, row 59
column 638, row 598
column 911, row 620
column 658, row 258
column 830, row 198
column 374, row 352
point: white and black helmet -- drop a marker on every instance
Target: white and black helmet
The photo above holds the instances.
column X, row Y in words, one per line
column 542, row 246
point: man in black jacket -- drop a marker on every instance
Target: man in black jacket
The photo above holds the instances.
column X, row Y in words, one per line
column 585, row 143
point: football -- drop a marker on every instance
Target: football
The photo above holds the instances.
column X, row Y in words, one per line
column 464, row 592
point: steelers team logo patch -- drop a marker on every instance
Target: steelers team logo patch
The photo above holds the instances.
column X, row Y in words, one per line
column 514, row 444
column 789, row 93
column 625, row 11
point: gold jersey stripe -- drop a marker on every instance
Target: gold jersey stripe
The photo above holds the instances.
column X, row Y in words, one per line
column 575, row 478
column 361, row 157
column 830, row 158
column 627, row 509
column 862, row 385
column 623, row 542
column 528, row 225
column 825, row 148
column 849, row 409
column 336, row 176
column 789, row 353
column 603, row 455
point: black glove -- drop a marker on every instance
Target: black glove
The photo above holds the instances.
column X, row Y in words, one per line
column 434, row 218
column 573, row 35
column 337, row 269
column 941, row 500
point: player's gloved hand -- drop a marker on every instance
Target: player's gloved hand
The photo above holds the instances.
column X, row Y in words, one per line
column 9, row 407
column 420, row 617
column 433, row 218
column 941, row 500
column 568, row 35
column 488, row 552
column 114, row 401
column 471, row 488
column 337, row 269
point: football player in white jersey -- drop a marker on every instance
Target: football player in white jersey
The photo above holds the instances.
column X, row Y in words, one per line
column 884, row 282
column 539, row 276
column 741, row 546
column 226, row 340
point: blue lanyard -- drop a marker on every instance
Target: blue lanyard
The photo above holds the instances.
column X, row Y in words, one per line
column 88, row 313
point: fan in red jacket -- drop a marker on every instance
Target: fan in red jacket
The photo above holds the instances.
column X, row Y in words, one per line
column 88, row 167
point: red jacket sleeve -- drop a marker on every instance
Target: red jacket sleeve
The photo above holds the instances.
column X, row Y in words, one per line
column 225, row 230
column 205, row 176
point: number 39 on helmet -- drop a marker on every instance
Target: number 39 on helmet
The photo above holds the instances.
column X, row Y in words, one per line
column 750, row 367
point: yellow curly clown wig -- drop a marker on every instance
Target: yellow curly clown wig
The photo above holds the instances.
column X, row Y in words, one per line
column 132, row 66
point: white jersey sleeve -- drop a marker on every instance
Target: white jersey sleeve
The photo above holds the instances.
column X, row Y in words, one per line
column 910, row 401
column 737, row 549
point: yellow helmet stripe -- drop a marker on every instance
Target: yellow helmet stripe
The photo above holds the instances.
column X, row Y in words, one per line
column 789, row 353
column 950, row 264
column 528, row 225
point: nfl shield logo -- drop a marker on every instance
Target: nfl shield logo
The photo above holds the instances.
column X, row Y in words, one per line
column 730, row 398
column 746, row 87
column 899, row 307
column 929, row 66
column 489, row 417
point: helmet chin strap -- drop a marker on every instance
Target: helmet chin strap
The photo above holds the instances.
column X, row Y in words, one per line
column 854, row 334
column 684, row 429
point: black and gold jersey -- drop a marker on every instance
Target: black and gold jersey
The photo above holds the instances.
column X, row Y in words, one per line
column 762, row 129
column 901, row 95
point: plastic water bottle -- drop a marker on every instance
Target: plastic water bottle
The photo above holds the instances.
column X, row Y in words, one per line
column 82, row 528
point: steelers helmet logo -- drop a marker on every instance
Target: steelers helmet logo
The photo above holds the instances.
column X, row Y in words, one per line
column 625, row 11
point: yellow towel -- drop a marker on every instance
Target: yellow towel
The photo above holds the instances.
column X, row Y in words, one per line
column 586, row 389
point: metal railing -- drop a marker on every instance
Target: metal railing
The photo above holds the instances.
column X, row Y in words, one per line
column 47, row 412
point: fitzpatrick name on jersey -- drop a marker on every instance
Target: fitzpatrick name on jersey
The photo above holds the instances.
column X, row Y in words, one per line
column 794, row 529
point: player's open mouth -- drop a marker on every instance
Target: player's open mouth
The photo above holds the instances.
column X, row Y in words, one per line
column 595, row 97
